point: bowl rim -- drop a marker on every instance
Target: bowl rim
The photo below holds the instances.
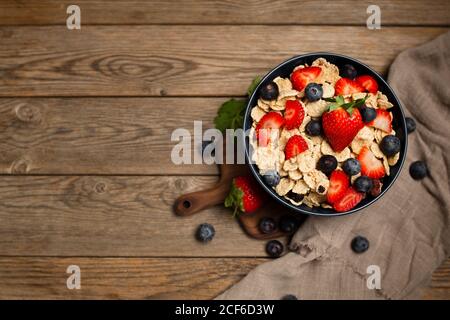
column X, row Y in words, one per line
column 269, row 190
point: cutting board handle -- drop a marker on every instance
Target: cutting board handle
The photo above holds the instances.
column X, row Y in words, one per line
column 194, row 202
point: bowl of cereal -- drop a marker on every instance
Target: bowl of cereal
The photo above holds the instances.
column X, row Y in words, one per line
column 327, row 134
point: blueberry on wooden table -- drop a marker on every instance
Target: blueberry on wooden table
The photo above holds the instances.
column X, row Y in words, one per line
column 205, row 232
column 289, row 297
column 360, row 244
column 410, row 125
column 269, row 91
column 274, row 248
column 418, row 170
column 267, row 225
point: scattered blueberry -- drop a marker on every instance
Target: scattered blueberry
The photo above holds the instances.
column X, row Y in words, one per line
column 348, row 71
column 267, row 225
column 390, row 145
column 418, row 170
column 367, row 114
column 313, row 91
column 288, row 224
column 269, row 91
column 410, row 124
column 205, row 232
column 314, row 128
column 327, row 164
column 363, row 184
column 351, row 167
column 289, row 297
column 376, row 188
column 272, row 178
column 274, row 248
column 295, row 196
column 360, row 244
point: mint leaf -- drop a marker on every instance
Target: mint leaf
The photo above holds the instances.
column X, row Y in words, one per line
column 340, row 100
column 230, row 115
column 253, row 85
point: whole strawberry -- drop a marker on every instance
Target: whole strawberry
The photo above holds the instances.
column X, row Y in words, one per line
column 245, row 195
column 342, row 122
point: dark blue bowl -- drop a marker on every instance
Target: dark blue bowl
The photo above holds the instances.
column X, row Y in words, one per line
column 399, row 125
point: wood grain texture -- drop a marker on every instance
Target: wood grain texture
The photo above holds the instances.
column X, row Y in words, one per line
column 342, row 12
column 176, row 60
column 112, row 216
column 135, row 278
column 100, row 136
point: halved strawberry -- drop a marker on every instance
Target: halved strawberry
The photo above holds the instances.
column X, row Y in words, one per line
column 339, row 183
column 302, row 76
column 294, row 146
column 371, row 166
column 345, row 86
column 293, row 114
column 368, row 83
column 349, row 200
column 383, row 121
column 271, row 120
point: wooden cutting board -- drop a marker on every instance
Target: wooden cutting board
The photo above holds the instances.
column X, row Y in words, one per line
column 191, row 203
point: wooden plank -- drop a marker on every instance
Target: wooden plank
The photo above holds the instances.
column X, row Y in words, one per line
column 132, row 278
column 112, row 216
column 100, row 136
column 176, row 60
column 344, row 12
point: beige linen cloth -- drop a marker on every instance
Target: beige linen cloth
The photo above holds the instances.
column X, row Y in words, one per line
column 408, row 228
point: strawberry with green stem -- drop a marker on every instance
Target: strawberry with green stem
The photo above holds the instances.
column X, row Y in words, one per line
column 245, row 195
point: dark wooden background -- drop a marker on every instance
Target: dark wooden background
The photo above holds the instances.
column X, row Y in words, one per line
column 85, row 123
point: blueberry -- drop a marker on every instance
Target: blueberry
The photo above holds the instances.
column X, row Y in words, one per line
column 314, row 128
column 289, row 297
column 272, row 178
column 269, row 91
column 418, row 170
column 313, row 91
column 410, row 124
column 360, row 244
column 363, row 184
column 205, row 232
column 288, row 224
column 390, row 145
column 274, row 248
column 348, row 71
column 295, row 196
column 351, row 167
column 367, row 113
column 327, row 164
column 267, row 225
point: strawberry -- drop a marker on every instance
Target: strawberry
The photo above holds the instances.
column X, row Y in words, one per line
column 340, row 127
column 368, row 83
column 294, row 146
column 339, row 183
column 271, row 120
column 302, row 76
column 293, row 114
column 245, row 195
column 345, row 86
column 349, row 200
column 383, row 121
column 370, row 165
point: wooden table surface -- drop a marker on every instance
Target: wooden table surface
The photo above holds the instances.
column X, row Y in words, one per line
column 85, row 123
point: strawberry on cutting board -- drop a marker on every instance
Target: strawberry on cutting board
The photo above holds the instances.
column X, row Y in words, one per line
column 383, row 121
column 341, row 126
column 271, row 120
column 346, row 86
column 371, row 166
column 245, row 196
column 349, row 200
column 293, row 114
column 368, row 83
column 294, row 146
column 339, row 183
column 302, row 76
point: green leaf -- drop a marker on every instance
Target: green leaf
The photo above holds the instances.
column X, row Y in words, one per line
column 333, row 107
column 235, row 200
column 230, row 115
column 253, row 85
column 350, row 110
column 340, row 100
column 330, row 99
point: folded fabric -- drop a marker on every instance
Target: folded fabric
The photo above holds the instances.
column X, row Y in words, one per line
column 408, row 228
